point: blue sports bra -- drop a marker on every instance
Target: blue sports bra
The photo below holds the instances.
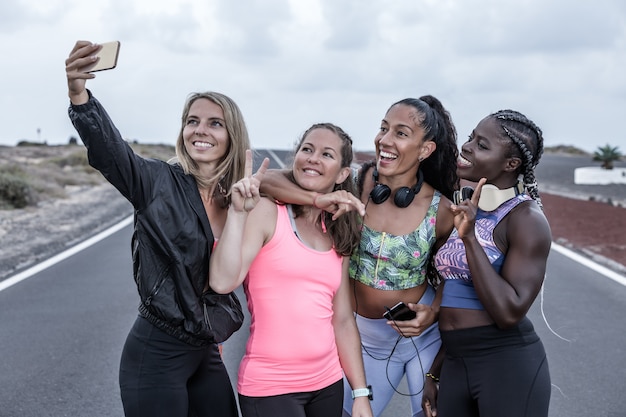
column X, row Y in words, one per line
column 451, row 260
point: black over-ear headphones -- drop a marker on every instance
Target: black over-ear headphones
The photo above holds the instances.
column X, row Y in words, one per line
column 403, row 196
column 463, row 194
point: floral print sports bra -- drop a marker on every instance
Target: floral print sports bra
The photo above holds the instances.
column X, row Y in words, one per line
column 388, row 262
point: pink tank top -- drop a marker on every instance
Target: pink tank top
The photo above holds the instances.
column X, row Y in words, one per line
column 290, row 289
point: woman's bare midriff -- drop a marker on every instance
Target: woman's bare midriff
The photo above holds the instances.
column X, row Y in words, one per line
column 371, row 302
column 462, row 318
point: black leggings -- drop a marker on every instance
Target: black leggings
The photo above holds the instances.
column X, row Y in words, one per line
column 489, row 372
column 327, row 402
column 163, row 376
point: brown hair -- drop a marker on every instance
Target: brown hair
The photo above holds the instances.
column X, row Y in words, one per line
column 345, row 231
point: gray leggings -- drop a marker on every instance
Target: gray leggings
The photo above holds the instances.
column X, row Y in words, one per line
column 489, row 372
column 388, row 357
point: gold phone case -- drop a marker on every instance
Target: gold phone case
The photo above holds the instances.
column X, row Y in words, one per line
column 108, row 57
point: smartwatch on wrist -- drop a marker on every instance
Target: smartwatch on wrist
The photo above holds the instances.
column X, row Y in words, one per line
column 363, row 392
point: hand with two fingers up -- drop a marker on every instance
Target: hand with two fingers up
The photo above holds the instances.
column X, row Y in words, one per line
column 245, row 192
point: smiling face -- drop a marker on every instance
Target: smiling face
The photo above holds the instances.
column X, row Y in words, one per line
column 204, row 133
column 485, row 155
column 317, row 164
column 400, row 142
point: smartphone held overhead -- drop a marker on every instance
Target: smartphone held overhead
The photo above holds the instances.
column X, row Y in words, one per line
column 107, row 57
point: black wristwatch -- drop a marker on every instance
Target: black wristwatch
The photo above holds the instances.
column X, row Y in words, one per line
column 363, row 392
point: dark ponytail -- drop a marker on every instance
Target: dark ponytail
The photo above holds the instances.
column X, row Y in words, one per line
column 439, row 168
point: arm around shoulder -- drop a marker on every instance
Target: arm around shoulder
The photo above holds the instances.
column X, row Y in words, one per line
column 276, row 184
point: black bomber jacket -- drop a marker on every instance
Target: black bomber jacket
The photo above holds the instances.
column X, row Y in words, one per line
column 172, row 237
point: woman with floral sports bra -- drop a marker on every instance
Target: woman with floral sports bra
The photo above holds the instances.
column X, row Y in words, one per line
column 406, row 193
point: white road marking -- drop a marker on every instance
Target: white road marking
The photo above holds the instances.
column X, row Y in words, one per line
column 620, row 279
column 64, row 255
column 276, row 158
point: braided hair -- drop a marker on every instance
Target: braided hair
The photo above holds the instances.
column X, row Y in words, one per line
column 526, row 143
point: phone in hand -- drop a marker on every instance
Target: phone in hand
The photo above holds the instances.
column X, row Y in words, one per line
column 399, row 312
column 107, row 57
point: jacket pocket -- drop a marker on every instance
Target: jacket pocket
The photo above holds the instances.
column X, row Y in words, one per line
column 222, row 314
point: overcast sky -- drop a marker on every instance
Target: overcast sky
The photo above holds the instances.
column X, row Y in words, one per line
column 291, row 63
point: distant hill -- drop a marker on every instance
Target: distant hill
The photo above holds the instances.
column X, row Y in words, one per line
column 565, row 149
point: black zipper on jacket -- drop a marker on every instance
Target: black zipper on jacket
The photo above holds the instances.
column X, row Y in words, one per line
column 206, row 317
column 157, row 286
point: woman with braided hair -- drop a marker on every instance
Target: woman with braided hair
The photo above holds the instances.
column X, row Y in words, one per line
column 492, row 363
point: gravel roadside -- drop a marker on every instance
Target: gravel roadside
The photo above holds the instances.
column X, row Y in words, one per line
column 35, row 234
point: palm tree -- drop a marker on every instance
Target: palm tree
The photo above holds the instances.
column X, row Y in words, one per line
column 607, row 155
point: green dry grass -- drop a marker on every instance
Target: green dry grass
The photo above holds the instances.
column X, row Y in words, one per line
column 33, row 173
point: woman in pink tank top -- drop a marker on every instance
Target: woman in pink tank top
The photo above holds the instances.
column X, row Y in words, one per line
column 293, row 264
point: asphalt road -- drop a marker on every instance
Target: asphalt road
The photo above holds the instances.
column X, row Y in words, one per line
column 62, row 332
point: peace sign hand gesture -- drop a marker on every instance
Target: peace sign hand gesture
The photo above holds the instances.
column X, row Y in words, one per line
column 245, row 192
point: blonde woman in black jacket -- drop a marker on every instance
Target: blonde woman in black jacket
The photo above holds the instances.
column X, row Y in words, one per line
column 170, row 364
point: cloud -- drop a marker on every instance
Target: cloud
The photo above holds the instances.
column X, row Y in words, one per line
column 291, row 63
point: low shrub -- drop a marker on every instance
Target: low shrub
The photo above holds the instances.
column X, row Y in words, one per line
column 77, row 158
column 25, row 142
column 15, row 191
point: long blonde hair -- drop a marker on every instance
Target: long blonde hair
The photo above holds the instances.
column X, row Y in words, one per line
column 232, row 167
